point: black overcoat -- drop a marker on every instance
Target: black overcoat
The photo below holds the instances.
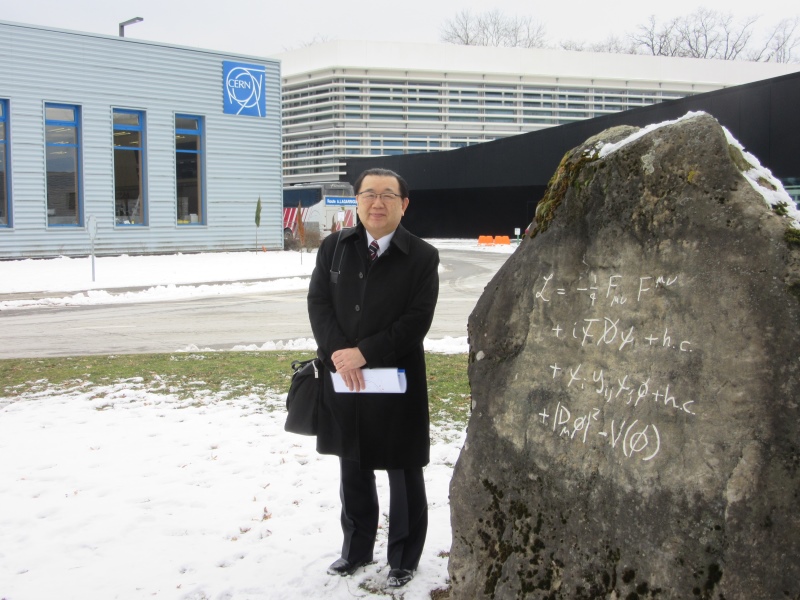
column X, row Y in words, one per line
column 385, row 309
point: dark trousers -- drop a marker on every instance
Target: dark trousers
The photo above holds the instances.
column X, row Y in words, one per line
column 408, row 514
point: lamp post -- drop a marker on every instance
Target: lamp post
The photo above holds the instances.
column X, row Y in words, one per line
column 128, row 22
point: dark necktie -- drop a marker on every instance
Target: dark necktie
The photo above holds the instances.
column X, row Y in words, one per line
column 373, row 250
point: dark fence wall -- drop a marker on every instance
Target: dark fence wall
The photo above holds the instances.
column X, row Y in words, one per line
column 491, row 188
column 470, row 212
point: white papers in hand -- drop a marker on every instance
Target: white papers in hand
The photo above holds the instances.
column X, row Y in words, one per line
column 376, row 381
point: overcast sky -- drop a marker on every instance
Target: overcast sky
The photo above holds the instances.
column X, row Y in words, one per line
column 266, row 27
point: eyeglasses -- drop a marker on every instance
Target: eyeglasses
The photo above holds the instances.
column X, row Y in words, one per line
column 372, row 196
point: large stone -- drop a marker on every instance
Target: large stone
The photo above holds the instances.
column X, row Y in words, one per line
column 634, row 370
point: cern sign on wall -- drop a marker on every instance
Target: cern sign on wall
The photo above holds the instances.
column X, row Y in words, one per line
column 243, row 89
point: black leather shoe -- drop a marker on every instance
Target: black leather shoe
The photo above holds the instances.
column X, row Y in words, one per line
column 344, row 567
column 399, row 577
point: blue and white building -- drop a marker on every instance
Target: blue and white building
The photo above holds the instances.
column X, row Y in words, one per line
column 130, row 146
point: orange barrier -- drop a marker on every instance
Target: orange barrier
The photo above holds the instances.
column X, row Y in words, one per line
column 487, row 240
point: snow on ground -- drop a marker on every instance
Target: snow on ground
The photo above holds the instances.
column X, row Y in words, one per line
column 127, row 491
column 120, row 491
column 68, row 281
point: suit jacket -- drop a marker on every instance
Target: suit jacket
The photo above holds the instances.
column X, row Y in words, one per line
column 386, row 309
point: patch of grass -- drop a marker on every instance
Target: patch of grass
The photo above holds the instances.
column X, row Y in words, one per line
column 448, row 387
column 191, row 370
column 238, row 372
column 781, row 209
column 792, row 236
column 565, row 177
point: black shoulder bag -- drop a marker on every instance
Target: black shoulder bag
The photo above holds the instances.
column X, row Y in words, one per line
column 305, row 390
column 305, row 394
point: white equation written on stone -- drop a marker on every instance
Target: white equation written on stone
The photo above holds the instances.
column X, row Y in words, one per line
column 611, row 292
column 608, row 331
column 636, row 439
column 627, row 390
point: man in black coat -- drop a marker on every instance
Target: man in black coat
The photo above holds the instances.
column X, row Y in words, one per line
column 371, row 301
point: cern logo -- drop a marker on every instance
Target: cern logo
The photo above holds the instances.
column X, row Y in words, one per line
column 244, row 89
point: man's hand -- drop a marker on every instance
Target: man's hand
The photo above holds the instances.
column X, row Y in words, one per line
column 348, row 363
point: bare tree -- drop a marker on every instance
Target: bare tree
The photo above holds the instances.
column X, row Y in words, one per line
column 612, row 45
column 656, row 39
column 712, row 34
column 319, row 38
column 781, row 44
column 524, row 32
column 786, row 41
column 735, row 38
column 705, row 33
column 461, row 29
column 575, row 45
column 493, row 28
column 698, row 35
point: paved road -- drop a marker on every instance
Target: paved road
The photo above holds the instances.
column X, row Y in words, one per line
column 219, row 323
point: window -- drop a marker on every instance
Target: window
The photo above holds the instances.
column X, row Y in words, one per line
column 129, row 198
column 189, row 169
column 62, row 148
column 4, row 188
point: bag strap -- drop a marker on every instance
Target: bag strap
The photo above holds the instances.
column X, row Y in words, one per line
column 336, row 252
column 299, row 364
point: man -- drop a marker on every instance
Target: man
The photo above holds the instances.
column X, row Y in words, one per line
column 370, row 302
